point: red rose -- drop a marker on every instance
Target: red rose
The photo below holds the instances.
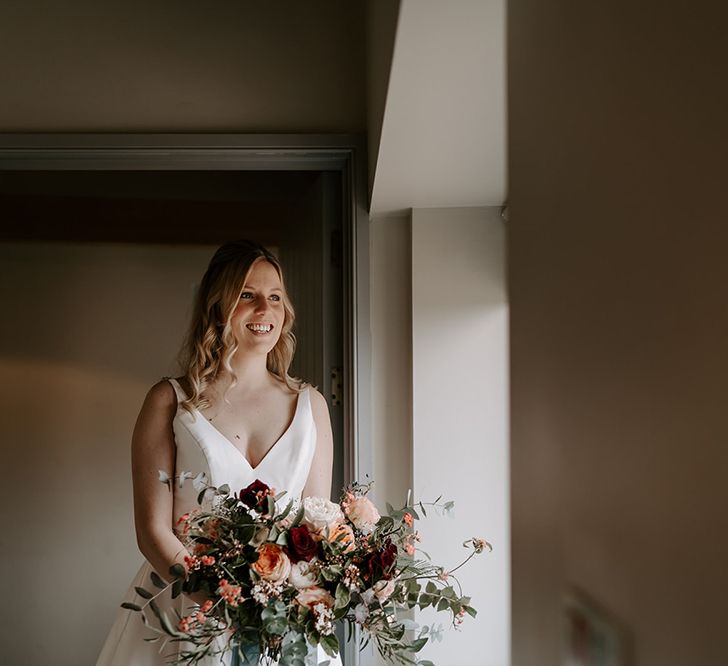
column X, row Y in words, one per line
column 301, row 545
column 380, row 563
column 254, row 495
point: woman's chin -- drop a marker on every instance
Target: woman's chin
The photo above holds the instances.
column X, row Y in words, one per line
column 258, row 344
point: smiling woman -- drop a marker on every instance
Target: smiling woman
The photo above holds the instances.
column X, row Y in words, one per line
column 234, row 416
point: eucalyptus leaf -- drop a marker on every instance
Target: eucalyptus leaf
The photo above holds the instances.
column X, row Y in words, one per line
column 418, row 644
column 200, row 481
column 130, row 606
column 157, row 580
column 285, row 511
column 343, row 596
column 143, row 593
column 298, row 517
column 201, row 495
column 167, row 625
column 330, row 645
column 177, row 570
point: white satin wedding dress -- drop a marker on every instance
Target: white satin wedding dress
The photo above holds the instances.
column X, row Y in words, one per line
column 202, row 448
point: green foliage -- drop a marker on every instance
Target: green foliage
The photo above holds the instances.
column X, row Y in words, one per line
column 376, row 591
column 143, row 593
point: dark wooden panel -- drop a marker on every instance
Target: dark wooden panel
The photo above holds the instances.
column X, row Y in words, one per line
column 71, row 219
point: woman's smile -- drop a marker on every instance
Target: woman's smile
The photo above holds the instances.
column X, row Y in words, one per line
column 259, row 328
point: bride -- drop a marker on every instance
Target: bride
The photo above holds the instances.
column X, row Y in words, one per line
column 234, row 414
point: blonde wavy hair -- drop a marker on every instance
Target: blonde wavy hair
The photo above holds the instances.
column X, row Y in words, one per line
column 210, row 345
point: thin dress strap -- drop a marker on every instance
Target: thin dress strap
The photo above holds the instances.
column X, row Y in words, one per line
column 177, row 389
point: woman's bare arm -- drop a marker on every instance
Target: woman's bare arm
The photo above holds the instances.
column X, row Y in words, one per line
column 153, row 448
column 318, row 483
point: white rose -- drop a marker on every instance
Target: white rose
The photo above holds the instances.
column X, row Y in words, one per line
column 320, row 514
column 361, row 613
column 302, row 575
column 367, row 596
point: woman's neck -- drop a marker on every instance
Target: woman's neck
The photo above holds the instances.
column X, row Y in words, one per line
column 251, row 372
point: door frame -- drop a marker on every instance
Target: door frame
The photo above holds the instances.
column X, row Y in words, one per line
column 342, row 153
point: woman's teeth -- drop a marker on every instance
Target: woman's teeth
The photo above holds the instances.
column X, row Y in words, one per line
column 260, row 328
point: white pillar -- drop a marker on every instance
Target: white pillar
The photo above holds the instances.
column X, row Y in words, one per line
column 460, row 416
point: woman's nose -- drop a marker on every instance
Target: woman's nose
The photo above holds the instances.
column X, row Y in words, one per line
column 261, row 305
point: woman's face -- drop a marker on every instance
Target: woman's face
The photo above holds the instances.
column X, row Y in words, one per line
column 258, row 317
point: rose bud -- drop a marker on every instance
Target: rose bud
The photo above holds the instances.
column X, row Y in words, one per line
column 380, row 563
column 253, row 496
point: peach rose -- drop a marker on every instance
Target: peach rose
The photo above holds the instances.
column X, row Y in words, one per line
column 314, row 595
column 343, row 536
column 272, row 563
column 362, row 513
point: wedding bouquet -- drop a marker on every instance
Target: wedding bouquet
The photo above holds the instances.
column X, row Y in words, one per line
column 279, row 577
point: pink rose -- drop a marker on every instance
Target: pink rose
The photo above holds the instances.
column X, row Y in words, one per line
column 314, row 595
column 362, row 513
column 383, row 589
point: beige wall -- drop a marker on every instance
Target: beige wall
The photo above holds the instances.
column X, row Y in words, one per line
column 391, row 349
column 618, row 273
column 86, row 331
column 183, row 65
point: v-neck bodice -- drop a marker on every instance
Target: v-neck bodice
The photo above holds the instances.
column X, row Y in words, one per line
column 203, row 448
column 270, row 449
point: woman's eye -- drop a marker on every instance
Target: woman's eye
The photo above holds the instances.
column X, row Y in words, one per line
column 246, row 295
column 276, row 297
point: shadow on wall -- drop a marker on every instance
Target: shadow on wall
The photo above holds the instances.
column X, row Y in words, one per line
column 92, row 328
column 70, row 540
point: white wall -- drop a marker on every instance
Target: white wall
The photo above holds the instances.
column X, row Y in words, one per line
column 460, row 414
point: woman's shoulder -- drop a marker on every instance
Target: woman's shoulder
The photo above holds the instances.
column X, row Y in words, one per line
column 319, row 406
column 161, row 395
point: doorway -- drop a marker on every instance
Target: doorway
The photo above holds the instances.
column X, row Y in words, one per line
column 98, row 201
